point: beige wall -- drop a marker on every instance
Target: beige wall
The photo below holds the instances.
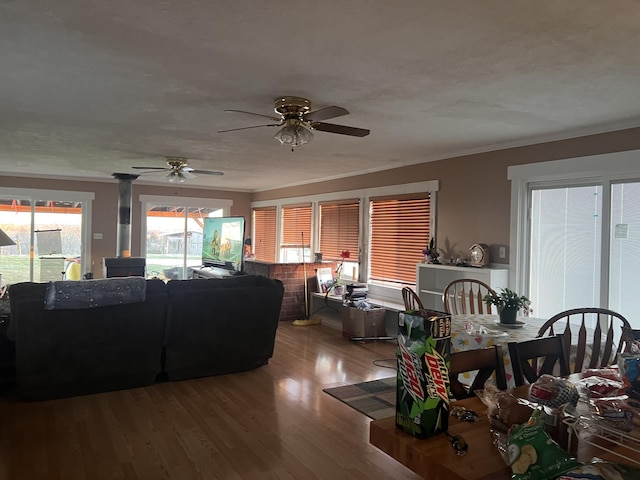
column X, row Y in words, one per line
column 473, row 201
column 105, row 208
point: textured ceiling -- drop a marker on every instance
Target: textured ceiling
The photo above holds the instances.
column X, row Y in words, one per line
column 89, row 88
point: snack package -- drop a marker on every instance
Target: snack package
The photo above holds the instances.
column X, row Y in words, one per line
column 607, row 372
column 601, row 470
column 602, row 387
column 616, row 413
column 422, row 399
column 553, row 392
column 533, row 455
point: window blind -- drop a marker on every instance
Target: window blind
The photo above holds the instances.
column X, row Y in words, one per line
column 296, row 223
column 264, row 241
column 399, row 233
column 340, row 229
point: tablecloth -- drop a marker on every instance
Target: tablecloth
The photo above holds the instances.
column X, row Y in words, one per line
column 494, row 334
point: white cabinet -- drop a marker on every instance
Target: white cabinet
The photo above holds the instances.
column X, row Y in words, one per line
column 431, row 280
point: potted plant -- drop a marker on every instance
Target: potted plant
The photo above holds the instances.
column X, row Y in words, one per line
column 508, row 303
column 431, row 253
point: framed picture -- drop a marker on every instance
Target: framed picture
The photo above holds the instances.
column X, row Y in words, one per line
column 325, row 279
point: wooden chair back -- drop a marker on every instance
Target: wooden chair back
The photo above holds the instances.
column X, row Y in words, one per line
column 465, row 296
column 532, row 358
column 608, row 335
column 485, row 360
column 411, row 300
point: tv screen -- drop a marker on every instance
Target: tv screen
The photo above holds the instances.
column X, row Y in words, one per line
column 223, row 242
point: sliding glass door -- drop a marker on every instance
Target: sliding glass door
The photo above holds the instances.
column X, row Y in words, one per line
column 172, row 233
column 50, row 231
column 582, row 250
column 624, row 245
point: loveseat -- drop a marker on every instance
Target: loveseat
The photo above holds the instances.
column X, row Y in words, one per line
column 178, row 330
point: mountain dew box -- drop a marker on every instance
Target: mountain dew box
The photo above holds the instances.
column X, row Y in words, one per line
column 422, row 399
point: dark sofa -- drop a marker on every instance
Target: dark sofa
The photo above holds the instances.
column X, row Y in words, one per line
column 217, row 326
column 183, row 329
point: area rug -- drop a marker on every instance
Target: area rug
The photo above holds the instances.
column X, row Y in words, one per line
column 376, row 399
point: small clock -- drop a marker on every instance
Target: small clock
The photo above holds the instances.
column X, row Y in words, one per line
column 479, row 255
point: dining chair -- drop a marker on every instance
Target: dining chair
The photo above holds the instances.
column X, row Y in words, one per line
column 411, row 300
column 532, row 358
column 605, row 343
column 485, row 360
column 465, row 296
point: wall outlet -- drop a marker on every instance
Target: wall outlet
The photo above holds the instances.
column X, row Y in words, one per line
column 502, row 252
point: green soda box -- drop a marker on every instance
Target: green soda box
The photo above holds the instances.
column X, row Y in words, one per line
column 422, row 398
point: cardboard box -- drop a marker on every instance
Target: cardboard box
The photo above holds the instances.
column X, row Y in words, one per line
column 363, row 323
column 424, row 345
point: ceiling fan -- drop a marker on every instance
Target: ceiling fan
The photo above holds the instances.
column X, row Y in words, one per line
column 297, row 120
column 178, row 170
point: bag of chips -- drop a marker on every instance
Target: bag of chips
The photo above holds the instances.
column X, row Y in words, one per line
column 533, row 455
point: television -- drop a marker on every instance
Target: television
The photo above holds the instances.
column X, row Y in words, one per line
column 223, row 243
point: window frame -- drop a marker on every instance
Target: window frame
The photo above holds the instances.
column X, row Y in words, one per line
column 288, row 242
column 603, row 169
column 84, row 198
column 392, row 293
column 418, row 196
column 186, row 202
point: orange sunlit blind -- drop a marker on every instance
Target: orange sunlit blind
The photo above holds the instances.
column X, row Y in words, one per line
column 296, row 225
column 264, row 241
column 340, row 229
column 399, row 233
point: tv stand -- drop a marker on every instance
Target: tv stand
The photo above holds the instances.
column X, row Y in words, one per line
column 211, row 272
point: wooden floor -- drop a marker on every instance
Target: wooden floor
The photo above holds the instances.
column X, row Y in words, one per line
column 270, row 423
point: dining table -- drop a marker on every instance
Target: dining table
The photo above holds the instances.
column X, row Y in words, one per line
column 475, row 331
column 470, row 332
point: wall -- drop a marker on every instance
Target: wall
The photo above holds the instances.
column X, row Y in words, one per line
column 473, row 202
column 105, row 208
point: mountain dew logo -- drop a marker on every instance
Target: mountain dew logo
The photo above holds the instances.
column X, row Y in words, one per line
column 410, row 371
column 439, row 374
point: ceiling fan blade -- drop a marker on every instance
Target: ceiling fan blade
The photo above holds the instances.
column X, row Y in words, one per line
column 206, row 172
column 325, row 113
column 275, row 119
column 151, row 168
column 340, row 129
column 254, row 126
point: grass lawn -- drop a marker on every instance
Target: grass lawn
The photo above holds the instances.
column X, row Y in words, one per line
column 15, row 268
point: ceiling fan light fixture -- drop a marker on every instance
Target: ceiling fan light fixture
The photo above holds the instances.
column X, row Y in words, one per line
column 294, row 133
column 176, row 177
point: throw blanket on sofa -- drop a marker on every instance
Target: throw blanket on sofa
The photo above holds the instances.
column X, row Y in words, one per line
column 74, row 295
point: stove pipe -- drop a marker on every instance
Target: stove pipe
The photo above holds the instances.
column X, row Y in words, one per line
column 125, row 204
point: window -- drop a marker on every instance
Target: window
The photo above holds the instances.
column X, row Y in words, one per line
column 50, row 229
column 172, row 233
column 400, row 230
column 330, row 223
column 264, row 234
column 624, row 264
column 296, row 234
column 565, row 244
column 575, row 227
column 340, row 231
